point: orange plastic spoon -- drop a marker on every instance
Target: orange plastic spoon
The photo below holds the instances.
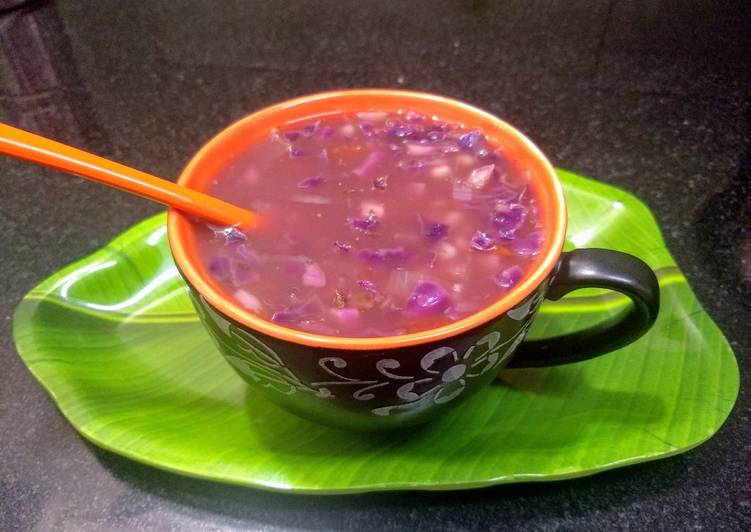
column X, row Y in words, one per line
column 30, row 147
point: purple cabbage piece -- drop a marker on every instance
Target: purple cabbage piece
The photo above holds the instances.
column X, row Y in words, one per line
column 380, row 182
column 437, row 231
column 327, row 132
column 482, row 241
column 219, row 268
column 310, row 309
column 508, row 277
column 380, row 256
column 399, row 130
column 529, row 246
column 368, row 286
column 366, row 225
column 367, row 127
column 249, row 256
column 243, row 274
column 296, row 153
column 309, row 129
column 285, row 317
column 298, row 311
column 470, row 140
column 502, row 193
column 342, row 246
column 292, row 135
column 428, row 298
column 509, row 220
column 312, row 181
column 231, row 235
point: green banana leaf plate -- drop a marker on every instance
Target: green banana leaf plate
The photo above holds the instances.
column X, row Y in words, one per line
column 115, row 341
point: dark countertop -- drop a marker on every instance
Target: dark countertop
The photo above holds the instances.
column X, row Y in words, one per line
column 642, row 95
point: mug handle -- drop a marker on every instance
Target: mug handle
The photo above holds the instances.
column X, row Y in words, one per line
column 596, row 268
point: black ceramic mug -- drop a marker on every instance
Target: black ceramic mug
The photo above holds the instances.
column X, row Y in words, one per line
column 390, row 382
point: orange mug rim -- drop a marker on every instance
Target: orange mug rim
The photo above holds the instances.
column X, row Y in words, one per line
column 178, row 226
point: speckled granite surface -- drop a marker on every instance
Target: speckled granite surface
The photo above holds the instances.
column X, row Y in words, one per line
column 639, row 94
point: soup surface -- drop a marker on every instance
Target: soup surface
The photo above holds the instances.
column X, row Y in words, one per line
column 375, row 224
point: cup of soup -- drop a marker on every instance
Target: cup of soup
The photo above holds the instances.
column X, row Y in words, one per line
column 407, row 241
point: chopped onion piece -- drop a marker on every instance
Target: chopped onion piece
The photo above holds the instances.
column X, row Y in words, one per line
column 371, row 163
column 401, row 282
column 461, row 192
column 480, row 176
column 248, row 300
column 411, row 164
column 371, row 208
column 416, row 188
column 447, row 251
column 454, row 217
column 251, row 176
column 292, row 135
column 412, row 116
column 372, row 116
column 311, row 199
column 347, row 130
column 440, row 172
column 414, row 148
column 313, row 276
column 347, row 316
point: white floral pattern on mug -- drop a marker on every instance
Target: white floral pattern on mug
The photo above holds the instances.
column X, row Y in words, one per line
column 443, row 374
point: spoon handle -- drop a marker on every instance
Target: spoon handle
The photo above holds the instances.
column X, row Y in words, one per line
column 40, row 150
